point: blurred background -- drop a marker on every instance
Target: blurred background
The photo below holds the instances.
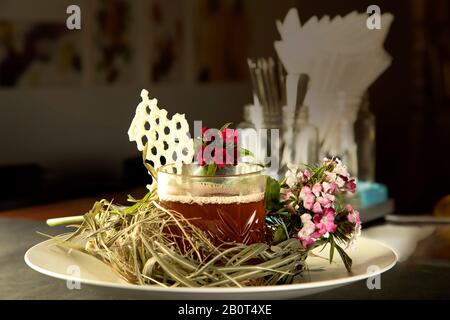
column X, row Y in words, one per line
column 67, row 97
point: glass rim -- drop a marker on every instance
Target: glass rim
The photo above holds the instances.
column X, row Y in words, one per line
column 256, row 172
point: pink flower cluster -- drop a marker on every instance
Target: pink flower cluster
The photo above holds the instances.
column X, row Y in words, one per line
column 317, row 226
column 315, row 200
column 218, row 147
column 353, row 217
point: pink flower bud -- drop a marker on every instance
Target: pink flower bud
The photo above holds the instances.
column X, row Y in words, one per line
column 306, row 176
column 308, row 201
column 330, row 187
column 317, row 208
column 324, row 202
column 350, row 185
column 317, row 189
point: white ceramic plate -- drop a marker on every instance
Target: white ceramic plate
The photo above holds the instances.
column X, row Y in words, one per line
column 369, row 259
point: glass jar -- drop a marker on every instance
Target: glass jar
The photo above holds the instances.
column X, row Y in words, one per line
column 365, row 141
column 229, row 206
column 306, row 140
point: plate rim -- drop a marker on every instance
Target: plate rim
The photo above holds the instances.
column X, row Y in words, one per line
column 202, row 290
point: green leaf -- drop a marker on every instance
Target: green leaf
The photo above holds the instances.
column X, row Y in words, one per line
column 211, row 170
column 134, row 207
column 245, row 152
column 332, row 247
column 226, row 125
column 279, row 235
column 272, row 194
column 345, row 258
column 130, row 198
column 318, row 174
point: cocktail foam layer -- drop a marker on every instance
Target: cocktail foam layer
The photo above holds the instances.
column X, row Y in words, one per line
column 222, row 199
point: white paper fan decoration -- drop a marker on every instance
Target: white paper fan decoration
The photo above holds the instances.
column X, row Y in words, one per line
column 168, row 140
column 340, row 55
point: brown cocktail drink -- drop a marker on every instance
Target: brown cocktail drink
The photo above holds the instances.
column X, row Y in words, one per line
column 228, row 207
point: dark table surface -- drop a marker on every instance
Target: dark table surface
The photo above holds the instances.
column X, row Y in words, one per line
column 425, row 274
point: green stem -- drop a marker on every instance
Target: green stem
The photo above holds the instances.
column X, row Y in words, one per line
column 64, row 220
column 211, row 170
column 131, row 209
column 208, row 170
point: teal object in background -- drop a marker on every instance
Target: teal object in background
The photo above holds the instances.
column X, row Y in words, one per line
column 371, row 194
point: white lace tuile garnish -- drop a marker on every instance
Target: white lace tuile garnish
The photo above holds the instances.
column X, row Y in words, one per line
column 168, row 140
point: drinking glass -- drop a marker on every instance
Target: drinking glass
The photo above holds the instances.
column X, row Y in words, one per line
column 229, row 206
